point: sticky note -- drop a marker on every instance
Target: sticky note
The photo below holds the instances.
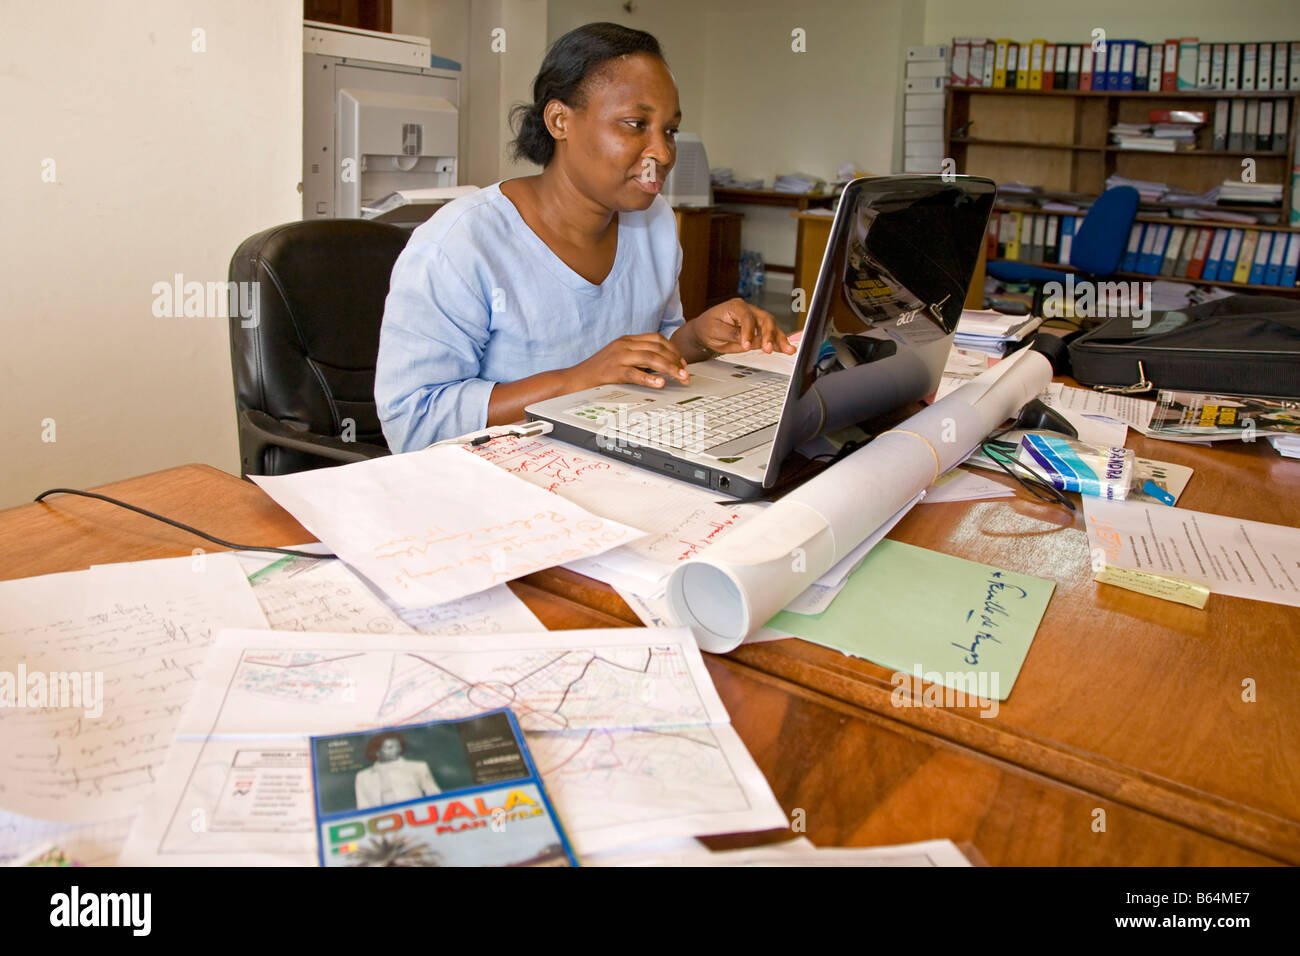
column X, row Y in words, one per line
column 1168, row 589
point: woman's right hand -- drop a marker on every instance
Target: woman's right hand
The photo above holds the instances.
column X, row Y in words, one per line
column 648, row 359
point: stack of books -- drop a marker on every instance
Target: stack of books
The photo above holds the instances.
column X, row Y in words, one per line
column 1125, row 65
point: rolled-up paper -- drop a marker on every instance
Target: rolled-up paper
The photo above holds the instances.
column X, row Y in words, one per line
column 734, row 588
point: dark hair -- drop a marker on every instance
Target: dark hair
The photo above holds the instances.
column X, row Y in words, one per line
column 571, row 61
column 374, row 743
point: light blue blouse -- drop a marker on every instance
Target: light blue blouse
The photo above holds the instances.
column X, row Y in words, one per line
column 477, row 297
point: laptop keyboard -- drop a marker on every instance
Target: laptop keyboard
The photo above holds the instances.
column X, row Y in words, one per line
column 698, row 424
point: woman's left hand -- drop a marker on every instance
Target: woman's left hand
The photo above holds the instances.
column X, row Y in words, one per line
column 737, row 326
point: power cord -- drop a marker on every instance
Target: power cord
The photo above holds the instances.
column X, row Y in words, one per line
column 184, row 527
column 1037, row 484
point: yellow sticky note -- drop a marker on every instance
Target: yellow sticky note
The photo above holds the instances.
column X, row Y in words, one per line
column 1156, row 585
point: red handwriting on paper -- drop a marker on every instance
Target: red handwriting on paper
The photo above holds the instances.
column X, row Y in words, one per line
column 529, row 456
column 716, row 527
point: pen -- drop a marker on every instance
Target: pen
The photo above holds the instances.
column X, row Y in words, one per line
column 482, row 437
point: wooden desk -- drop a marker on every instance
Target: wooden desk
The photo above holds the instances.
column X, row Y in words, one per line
column 1132, row 699
column 1184, row 773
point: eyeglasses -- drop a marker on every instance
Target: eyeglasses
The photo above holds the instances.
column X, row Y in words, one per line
column 1001, row 453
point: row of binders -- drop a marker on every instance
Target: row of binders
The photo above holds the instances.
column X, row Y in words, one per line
column 1254, row 124
column 1121, row 65
column 1241, row 125
column 1247, row 256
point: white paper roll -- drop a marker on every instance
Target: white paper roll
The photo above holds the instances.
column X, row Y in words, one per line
column 733, row 589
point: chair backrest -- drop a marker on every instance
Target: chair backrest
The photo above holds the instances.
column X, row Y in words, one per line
column 307, row 356
column 1099, row 244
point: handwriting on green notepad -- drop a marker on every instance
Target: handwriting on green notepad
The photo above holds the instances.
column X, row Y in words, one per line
column 916, row 610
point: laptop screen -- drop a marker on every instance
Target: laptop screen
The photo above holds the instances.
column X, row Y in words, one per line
column 893, row 281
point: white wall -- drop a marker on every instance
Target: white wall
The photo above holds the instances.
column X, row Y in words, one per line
column 164, row 159
column 762, row 108
column 680, row 26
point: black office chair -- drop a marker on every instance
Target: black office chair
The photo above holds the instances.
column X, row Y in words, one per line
column 304, row 367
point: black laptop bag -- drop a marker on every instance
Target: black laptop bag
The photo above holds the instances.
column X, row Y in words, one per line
column 1241, row 345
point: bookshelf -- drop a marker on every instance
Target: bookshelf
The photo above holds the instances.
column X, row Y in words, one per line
column 1059, row 140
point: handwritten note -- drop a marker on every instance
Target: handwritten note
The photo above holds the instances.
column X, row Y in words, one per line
column 95, row 669
column 436, row 525
column 680, row 520
column 919, row 611
column 1155, row 585
column 308, row 594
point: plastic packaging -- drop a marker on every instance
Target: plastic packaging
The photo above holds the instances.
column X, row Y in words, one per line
column 1070, row 465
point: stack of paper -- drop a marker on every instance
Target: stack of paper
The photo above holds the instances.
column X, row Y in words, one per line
column 1287, row 445
column 1147, row 191
column 624, row 725
column 434, row 195
column 799, row 183
column 724, row 177
column 1264, row 194
column 992, row 332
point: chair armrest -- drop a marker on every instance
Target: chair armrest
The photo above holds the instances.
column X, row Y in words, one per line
column 265, row 430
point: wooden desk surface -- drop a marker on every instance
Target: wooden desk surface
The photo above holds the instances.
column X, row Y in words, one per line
column 1125, row 704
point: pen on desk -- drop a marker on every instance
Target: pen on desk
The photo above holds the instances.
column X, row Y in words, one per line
column 533, row 429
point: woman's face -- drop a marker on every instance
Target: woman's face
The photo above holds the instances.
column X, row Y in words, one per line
column 390, row 749
column 620, row 144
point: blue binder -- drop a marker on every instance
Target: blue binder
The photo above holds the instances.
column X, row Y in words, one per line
column 1114, row 64
column 1066, row 248
column 1289, row 264
column 1131, row 253
column 1210, row 271
column 1228, row 264
column 1127, row 64
column 1273, row 271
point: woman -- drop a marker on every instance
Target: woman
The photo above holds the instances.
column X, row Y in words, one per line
column 391, row 778
column 550, row 284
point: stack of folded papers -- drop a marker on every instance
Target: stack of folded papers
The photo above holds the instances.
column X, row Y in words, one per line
column 993, row 332
column 1286, row 445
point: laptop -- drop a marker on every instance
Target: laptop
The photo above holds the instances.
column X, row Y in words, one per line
column 879, row 327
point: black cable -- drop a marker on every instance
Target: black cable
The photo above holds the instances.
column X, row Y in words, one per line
column 177, row 524
column 1036, row 484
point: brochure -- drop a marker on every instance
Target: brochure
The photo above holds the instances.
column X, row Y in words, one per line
column 446, row 793
column 1187, row 416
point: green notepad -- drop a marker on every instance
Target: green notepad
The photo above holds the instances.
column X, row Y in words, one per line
column 926, row 613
